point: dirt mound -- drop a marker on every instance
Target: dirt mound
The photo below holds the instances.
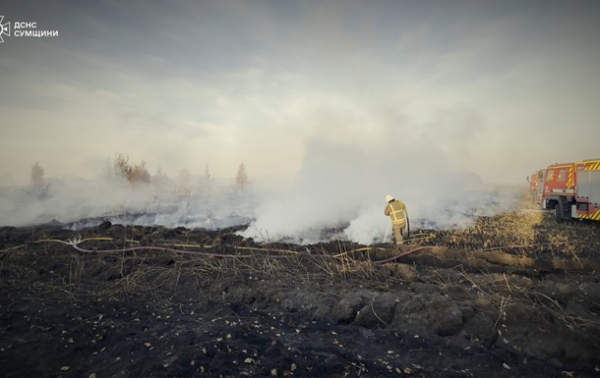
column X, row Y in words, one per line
column 515, row 295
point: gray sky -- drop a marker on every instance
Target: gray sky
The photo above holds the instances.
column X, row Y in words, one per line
column 499, row 88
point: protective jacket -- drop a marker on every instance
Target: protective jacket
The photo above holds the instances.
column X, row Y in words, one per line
column 396, row 210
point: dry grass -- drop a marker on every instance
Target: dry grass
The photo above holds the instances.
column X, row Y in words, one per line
column 159, row 272
column 503, row 293
column 508, row 293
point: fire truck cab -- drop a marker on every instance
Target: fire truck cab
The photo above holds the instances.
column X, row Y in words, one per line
column 573, row 190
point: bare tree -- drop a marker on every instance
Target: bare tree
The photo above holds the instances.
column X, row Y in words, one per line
column 241, row 179
column 121, row 166
column 134, row 173
column 38, row 184
column 208, row 177
column 184, row 187
column 184, row 192
column 206, row 182
column 160, row 179
column 139, row 173
column 37, row 175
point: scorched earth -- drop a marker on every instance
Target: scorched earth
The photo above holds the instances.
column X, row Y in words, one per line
column 516, row 295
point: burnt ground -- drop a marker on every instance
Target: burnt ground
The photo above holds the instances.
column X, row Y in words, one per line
column 516, row 295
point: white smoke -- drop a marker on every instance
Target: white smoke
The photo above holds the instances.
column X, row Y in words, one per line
column 337, row 189
column 82, row 203
column 338, row 193
column 346, row 175
column 370, row 226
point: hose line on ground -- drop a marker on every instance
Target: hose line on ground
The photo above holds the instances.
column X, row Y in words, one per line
column 402, row 255
column 152, row 248
column 75, row 244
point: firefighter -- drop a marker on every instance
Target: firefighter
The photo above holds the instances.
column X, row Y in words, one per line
column 396, row 210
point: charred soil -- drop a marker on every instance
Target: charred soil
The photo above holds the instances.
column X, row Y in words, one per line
column 516, row 295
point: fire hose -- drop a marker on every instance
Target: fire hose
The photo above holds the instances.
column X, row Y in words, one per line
column 76, row 241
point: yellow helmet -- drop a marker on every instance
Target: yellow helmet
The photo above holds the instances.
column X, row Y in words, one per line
column 389, row 198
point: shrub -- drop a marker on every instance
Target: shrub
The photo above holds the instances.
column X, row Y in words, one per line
column 133, row 173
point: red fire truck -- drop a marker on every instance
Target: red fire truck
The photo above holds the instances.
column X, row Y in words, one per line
column 573, row 190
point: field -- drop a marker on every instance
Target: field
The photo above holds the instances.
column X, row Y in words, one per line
column 515, row 295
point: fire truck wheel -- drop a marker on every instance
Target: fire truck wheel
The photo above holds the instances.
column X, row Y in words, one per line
column 559, row 212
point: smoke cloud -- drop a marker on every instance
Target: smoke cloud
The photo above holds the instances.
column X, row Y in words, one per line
column 346, row 175
column 350, row 164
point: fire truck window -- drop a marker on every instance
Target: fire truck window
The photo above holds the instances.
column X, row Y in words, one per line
column 550, row 176
column 562, row 175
